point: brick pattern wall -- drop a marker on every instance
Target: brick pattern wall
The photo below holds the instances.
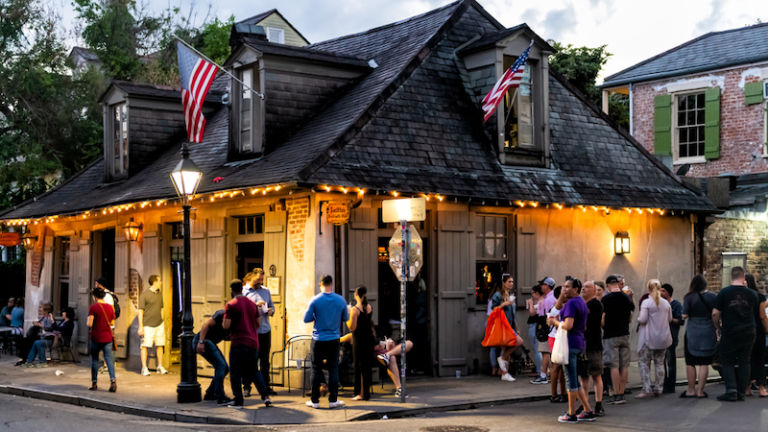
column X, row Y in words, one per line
column 734, row 235
column 298, row 212
column 741, row 126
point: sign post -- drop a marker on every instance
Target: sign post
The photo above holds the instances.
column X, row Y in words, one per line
column 403, row 211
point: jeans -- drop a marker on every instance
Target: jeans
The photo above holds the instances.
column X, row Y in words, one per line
column 644, row 358
column 328, row 351
column 571, row 370
column 736, row 352
column 106, row 348
column 534, row 347
column 243, row 362
column 38, row 350
column 265, row 346
column 494, row 353
column 670, row 361
column 220, row 369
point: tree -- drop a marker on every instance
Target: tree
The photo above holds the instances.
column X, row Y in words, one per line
column 50, row 125
column 581, row 66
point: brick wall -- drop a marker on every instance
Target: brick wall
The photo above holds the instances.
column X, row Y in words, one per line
column 741, row 126
column 298, row 212
column 735, row 235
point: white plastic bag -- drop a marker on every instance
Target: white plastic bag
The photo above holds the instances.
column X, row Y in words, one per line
column 560, row 348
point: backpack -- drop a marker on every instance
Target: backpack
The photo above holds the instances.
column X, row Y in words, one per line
column 542, row 329
column 115, row 305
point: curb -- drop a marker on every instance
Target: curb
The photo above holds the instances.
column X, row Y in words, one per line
column 158, row 414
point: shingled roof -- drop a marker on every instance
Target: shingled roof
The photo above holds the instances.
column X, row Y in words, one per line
column 408, row 125
column 711, row 51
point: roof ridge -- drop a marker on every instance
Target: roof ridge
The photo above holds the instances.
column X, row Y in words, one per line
column 365, row 115
column 387, row 26
column 679, row 47
column 264, row 14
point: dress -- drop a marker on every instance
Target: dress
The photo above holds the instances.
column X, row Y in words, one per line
column 362, row 351
column 700, row 337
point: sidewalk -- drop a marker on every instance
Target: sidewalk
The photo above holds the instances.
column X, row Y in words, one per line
column 155, row 396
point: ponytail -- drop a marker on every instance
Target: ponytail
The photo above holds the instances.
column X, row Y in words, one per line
column 362, row 292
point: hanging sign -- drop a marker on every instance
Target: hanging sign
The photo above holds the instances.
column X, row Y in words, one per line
column 406, row 209
column 9, row 239
column 337, row 213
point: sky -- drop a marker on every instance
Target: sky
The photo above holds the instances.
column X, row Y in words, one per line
column 632, row 30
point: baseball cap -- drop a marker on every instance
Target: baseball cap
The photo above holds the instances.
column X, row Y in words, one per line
column 549, row 281
column 612, row 279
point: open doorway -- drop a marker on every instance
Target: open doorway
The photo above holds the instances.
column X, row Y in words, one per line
column 249, row 256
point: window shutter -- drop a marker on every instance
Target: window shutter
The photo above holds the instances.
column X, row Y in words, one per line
column 662, row 125
column 753, row 93
column 712, row 123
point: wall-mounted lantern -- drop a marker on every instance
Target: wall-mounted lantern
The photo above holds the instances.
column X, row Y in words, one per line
column 621, row 243
column 132, row 230
column 29, row 240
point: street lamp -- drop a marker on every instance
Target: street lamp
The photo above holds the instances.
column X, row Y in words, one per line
column 132, row 231
column 186, row 178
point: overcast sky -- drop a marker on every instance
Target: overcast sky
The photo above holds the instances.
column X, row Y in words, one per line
column 633, row 30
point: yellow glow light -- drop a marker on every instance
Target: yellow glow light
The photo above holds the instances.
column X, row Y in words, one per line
column 520, row 203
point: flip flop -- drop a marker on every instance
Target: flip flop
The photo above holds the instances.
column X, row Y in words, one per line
column 684, row 396
column 702, row 397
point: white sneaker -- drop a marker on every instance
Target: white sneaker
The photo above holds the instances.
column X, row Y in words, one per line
column 502, row 363
column 145, row 372
column 313, row 404
column 337, row 404
column 161, row 370
column 507, row 377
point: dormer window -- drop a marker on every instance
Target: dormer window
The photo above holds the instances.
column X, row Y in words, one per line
column 518, row 104
column 248, row 113
column 117, row 149
column 276, row 35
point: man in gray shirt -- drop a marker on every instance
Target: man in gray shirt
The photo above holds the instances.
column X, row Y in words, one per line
column 151, row 326
column 263, row 299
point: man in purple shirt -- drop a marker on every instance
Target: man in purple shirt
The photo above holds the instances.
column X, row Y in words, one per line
column 545, row 305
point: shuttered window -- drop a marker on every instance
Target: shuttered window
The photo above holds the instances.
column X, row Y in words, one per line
column 687, row 125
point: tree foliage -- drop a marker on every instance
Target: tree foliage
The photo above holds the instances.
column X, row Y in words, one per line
column 581, row 66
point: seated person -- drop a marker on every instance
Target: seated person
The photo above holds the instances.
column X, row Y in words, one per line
column 17, row 317
column 62, row 334
column 43, row 324
column 5, row 313
column 385, row 351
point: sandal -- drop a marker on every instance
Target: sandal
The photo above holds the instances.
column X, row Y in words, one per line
column 684, row 395
column 703, row 396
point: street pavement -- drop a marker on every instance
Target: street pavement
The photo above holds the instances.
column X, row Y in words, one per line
column 668, row 413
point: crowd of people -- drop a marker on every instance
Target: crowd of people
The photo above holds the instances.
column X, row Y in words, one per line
column 726, row 331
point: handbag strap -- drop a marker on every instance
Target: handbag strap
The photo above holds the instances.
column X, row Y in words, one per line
column 104, row 312
column 705, row 303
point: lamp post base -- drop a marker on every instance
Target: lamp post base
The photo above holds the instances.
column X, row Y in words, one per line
column 188, row 392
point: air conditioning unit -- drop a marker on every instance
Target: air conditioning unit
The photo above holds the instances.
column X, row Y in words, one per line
column 765, row 89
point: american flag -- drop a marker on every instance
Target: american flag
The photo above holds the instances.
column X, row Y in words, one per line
column 196, row 74
column 510, row 79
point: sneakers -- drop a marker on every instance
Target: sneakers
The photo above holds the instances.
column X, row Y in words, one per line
column 267, row 402
column 502, row 363
column 311, row 404
column 399, row 393
column 225, row 401
column 599, row 410
column 617, row 400
column 383, row 359
column 161, row 370
column 337, row 404
column 586, row 417
column 507, row 377
column 643, row 395
column 41, row 365
column 246, row 392
column 568, row 418
column 540, row 380
column 144, row 372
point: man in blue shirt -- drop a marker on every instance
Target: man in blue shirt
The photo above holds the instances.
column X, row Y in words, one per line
column 327, row 310
column 263, row 299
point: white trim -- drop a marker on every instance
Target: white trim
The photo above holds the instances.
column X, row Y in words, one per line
column 675, row 137
column 690, row 160
column 684, row 85
column 280, row 32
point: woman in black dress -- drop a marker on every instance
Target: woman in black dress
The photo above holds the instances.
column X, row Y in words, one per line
column 362, row 342
column 758, row 350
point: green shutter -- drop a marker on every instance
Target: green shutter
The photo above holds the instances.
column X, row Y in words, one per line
column 712, row 123
column 662, row 125
column 753, row 93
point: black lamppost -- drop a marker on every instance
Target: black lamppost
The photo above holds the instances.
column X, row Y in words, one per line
column 186, row 178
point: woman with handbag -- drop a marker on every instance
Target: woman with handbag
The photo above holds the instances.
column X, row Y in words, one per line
column 700, row 336
column 101, row 318
column 505, row 298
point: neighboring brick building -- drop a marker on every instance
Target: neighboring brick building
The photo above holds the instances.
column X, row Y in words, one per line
column 700, row 108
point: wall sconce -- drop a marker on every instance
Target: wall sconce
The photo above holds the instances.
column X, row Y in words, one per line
column 132, row 230
column 621, row 243
column 29, row 241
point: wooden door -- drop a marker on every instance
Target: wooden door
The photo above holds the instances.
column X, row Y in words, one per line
column 454, row 278
column 274, row 260
column 362, row 247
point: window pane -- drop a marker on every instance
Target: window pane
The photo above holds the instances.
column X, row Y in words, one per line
column 501, row 248
column 241, row 226
column 691, row 101
column 700, row 100
column 480, row 245
column 479, row 225
column 501, row 228
column 259, row 224
column 249, row 225
column 681, row 104
column 691, row 117
column 680, row 118
column 700, row 117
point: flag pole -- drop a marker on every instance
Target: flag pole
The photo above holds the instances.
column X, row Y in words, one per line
column 246, row 86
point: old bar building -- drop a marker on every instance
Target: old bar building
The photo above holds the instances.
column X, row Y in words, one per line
column 544, row 188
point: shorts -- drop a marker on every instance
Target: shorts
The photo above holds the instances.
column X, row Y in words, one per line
column 544, row 347
column 616, row 352
column 551, row 343
column 154, row 335
column 591, row 364
column 571, row 374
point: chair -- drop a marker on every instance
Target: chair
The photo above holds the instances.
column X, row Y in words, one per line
column 297, row 355
column 62, row 347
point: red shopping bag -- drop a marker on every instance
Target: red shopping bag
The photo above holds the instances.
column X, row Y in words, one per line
column 498, row 332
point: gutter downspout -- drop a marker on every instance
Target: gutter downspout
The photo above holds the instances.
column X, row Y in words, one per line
column 631, row 122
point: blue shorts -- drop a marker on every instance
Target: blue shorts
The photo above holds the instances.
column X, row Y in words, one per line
column 571, row 370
